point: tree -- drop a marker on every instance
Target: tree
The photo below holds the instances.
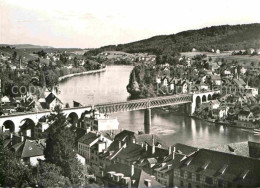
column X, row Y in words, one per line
column 13, row 172
column 49, row 175
column 60, row 147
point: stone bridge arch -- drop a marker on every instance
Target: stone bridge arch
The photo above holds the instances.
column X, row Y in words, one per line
column 8, row 125
column 73, row 118
column 203, row 98
column 27, row 127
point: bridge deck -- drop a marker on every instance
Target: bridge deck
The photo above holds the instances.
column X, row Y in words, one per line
column 124, row 106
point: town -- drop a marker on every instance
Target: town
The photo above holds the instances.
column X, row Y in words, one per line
column 116, row 157
column 139, row 94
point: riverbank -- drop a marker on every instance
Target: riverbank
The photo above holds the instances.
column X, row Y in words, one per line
column 82, row 73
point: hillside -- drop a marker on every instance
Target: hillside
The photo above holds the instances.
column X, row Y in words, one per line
column 24, row 46
column 225, row 37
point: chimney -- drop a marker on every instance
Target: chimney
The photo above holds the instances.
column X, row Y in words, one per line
column 153, row 147
column 22, row 138
column 11, row 135
column 132, row 170
column 173, row 155
column 119, row 144
column 142, row 144
column 146, row 147
column 147, row 182
column 134, row 140
column 170, row 150
column 174, row 149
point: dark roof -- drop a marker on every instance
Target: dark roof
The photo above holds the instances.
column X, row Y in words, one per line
column 243, row 112
column 184, row 149
column 239, row 82
column 123, row 134
column 232, row 168
column 88, row 138
column 33, row 148
column 170, row 162
column 239, row 148
column 148, row 138
column 139, row 175
column 79, row 133
column 50, row 98
column 8, row 142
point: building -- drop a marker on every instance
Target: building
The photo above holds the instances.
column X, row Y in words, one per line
column 214, row 104
column 52, row 101
column 251, row 90
column 207, row 168
column 90, row 139
column 163, row 171
column 120, row 175
column 28, row 151
column 219, row 113
column 100, row 122
column 216, row 79
column 245, row 116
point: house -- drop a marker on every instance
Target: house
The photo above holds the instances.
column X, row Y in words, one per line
column 5, row 100
column 120, row 175
column 182, row 86
column 52, row 101
column 207, row 168
column 164, row 81
column 243, row 70
column 99, row 122
column 149, row 139
column 252, row 90
column 227, row 74
column 88, row 140
column 216, row 79
column 245, row 116
column 163, row 171
column 219, row 113
column 250, row 51
column 214, row 104
column 239, row 83
column 28, row 151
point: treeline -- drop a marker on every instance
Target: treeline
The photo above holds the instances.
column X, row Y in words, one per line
column 38, row 75
column 224, row 37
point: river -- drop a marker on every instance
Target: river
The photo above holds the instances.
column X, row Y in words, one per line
column 110, row 86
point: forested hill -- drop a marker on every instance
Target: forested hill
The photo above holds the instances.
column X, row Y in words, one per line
column 225, row 37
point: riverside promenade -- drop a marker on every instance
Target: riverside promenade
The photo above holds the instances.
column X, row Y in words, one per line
column 81, row 73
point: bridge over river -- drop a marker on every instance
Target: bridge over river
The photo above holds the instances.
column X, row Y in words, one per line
column 12, row 122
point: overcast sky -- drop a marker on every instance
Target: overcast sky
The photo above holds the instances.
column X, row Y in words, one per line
column 95, row 23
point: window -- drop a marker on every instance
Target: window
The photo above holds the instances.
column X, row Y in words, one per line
column 189, row 185
column 181, row 173
column 181, row 183
column 189, row 175
column 209, row 180
column 197, row 177
column 220, row 183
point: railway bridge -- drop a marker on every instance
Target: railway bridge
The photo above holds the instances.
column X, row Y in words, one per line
column 12, row 122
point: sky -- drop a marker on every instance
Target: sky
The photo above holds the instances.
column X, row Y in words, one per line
column 96, row 23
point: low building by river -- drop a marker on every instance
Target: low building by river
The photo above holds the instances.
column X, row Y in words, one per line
column 100, row 122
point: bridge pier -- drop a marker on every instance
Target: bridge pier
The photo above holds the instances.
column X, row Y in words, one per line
column 147, row 120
